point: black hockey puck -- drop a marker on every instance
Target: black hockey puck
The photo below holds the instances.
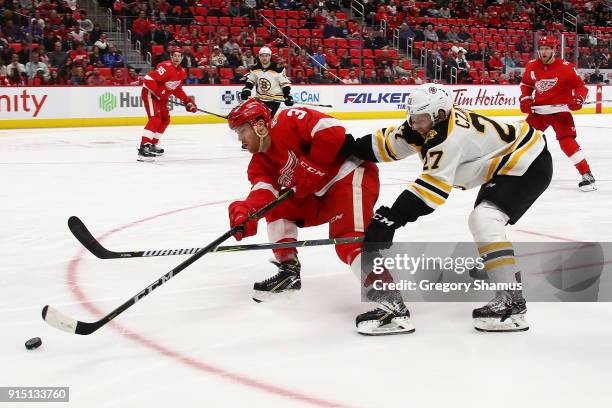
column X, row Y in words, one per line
column 34, row 342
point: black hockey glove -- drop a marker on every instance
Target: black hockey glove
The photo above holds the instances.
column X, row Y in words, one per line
column 382, row 229
column 289, row 100
column 244, row 95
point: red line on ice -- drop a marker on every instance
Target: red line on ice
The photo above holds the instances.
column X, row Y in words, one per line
column 73, row 280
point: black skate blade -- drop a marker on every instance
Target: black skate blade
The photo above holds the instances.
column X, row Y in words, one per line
column 264, row 297
column 522, row 329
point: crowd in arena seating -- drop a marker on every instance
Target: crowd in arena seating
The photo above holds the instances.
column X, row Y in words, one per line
column 477, row 41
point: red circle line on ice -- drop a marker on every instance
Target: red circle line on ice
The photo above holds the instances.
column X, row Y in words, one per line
column 73, row 282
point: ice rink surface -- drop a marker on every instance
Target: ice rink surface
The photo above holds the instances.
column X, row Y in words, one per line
column 201, row 341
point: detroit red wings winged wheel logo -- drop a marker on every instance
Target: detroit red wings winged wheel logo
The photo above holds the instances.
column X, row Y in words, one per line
column 544, row 85
column 286, row 173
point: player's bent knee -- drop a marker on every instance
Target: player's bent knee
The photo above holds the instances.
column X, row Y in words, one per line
column 348, row 252
column 487, row 223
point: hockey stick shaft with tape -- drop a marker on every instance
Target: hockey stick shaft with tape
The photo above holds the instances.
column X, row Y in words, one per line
column 62, row 322
column 81, row 233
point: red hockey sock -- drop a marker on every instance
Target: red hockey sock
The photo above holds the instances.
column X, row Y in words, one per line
column 571, row 148
column 285, row 254
column 155, row 140
column 144, row 140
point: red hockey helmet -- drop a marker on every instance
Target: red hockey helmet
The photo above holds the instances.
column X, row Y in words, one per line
column 248, row 112
column 547, row 41
column 176, row 48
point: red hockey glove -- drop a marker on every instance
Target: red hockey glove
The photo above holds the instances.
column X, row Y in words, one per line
column 577, row 103
column 191, row 107
column 239, row 214
column 526, row 104
column 308, row 178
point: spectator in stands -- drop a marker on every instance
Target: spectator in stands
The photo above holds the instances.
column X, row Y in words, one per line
column 515, row 77
column 79, row 53
column 133, row 78
column 54, row 79
column 239, row 76
column 95, row 79
column 440, row 33
column 299, row 78
column 210, row 77
column 191, row 79
column 15, row 69
column 444, row 11
column 495, row 62
column 372, row 78
column 376, row 40
column 485, row 79
column 352, row 78
column 345, row 60
column 398, row 69
column 162, row 36
column 430, row 34
column 508, row 61
column 113, row 58
column 331, row 59
column 234, row 60
column 35, row 65
column 96, row 33
column 118, row 79
column 405, row 33
column 453, row 34
column 76, row 34
column 310, row 22
column 189, row 60
column 57, row 57
column 387, row 76
column 230, row 45
column 248, row 60
column 186, row 16
column 318, row 60
column 217, row 58
column 596, row 77
column 3, row 68
column 463, row 34
column 461, row 60
column 78, row 77
column 102, row 44
column 342, row 30
column 84, row 23
column 502, row 79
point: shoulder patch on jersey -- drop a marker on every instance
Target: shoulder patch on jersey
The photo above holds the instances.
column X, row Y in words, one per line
column 566, row 63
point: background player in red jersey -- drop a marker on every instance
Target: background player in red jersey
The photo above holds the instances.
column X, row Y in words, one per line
column 165, row 80
column 301, row 148
column 558, row 90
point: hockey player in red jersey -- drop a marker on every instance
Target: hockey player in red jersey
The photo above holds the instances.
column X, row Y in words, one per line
column 165, row 80
column 301, row 148
column 558, row 91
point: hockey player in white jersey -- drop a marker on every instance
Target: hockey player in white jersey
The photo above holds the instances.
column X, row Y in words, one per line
column 459, row 148
column 269, row 81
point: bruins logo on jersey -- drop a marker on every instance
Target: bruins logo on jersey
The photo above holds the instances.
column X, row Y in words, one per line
column 264, row 85
column 430, row 135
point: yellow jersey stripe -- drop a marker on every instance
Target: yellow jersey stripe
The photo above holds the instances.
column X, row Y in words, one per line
column 499, row 262
column 427, row 196
column 437, row 182
column 388, row 143
column 495, row 245
column 517, row 155
column 380, row 142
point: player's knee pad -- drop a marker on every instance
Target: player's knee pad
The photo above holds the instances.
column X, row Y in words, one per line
column 348, row 252
column 569, row 145
column 153, row 123
column 487, row 223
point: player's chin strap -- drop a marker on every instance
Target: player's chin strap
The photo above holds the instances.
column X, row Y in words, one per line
column 262, row 131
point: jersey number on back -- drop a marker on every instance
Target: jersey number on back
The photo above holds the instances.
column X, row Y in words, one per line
column 161, row 70
column 296, row 112
column 468, row 119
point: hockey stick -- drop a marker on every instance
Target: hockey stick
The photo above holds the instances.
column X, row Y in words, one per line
column 543, row 111
column 301, row 103
column 203, row 111
column 65, row 323
column 80, row 232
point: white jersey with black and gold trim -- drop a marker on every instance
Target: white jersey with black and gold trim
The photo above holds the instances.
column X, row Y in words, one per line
column 269, row 82
column 464, row 151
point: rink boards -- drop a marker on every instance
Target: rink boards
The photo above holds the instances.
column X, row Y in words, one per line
column 39, row 107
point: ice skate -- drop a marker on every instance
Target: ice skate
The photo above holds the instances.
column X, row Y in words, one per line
column 145, row 154
column 286, row 281
column 587, row 183
column 392, row 317
column 506, row 312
